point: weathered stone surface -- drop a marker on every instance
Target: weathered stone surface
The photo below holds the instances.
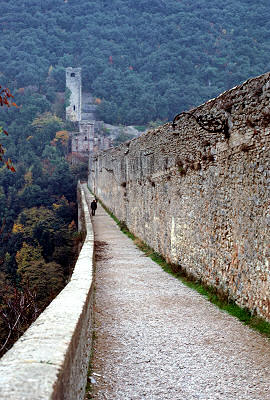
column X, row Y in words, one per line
column 156, row 339
column 74, row 84
column 201, row 197
column 50, row 360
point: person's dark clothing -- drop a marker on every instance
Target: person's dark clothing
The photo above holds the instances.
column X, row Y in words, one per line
column 93, row 206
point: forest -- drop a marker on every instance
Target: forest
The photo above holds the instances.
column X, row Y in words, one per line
column 143, row 62
column 38, row 211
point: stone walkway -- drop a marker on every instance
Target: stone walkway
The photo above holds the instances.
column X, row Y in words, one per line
column 156, row 339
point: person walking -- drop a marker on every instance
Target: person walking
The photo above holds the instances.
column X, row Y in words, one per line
column 94, row 206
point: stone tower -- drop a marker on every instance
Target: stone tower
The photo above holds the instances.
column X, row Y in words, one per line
column 74, row 84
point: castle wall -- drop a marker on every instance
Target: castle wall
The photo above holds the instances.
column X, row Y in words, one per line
column 199, row 194
column 83, row 141
column 82, row 109
column 51, row 359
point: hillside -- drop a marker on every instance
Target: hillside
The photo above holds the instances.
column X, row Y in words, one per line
column 38, row 238
column 145, row 60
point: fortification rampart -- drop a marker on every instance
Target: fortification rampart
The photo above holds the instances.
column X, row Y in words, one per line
column 50, row 360
column 199, row 193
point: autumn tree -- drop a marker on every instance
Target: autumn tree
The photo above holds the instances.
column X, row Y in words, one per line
column 62, row 139
column 26, row 255
column 5, row 101
column 44, row 279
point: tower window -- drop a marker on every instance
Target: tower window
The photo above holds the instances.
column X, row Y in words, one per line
column 72, row 74
column 85, row 138
column 74, row 108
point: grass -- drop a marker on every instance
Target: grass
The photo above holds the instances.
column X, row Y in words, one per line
column 88, row 388
column 140, row 128
column 220, row 299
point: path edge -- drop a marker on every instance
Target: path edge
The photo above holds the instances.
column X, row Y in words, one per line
column 50, row 361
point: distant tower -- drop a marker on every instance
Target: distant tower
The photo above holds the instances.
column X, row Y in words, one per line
column 74, row 84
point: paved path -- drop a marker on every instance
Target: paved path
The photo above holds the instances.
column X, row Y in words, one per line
column 156, row 339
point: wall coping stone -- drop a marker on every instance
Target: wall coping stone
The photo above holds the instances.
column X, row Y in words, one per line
column 50, row 360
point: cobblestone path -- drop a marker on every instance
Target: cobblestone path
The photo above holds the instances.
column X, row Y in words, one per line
column 156, row 339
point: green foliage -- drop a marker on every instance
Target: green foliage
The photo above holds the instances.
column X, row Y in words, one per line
column 37, row 208
column 79, row 171
column 32, row 207
column 45, row 279
column 144, row 60
column 121, row 138
column 26, row 255
column 140, row 128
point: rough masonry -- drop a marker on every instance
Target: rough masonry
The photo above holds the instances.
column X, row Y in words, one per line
column 74, row 84
column 198, row 191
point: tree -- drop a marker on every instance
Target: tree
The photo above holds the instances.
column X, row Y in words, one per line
column 26, row 255
column 17, row 311
column 61, row 139
column 45, row 279
column 6, row 101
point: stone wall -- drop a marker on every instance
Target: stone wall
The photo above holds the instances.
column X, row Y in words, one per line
column 74, row 84
column 50, row 361
column 199, row 192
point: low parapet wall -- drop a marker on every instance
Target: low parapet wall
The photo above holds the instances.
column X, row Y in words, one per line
column 50, row 361
column 198, row 192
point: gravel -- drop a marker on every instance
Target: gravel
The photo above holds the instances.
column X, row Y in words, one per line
column 156, row 339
